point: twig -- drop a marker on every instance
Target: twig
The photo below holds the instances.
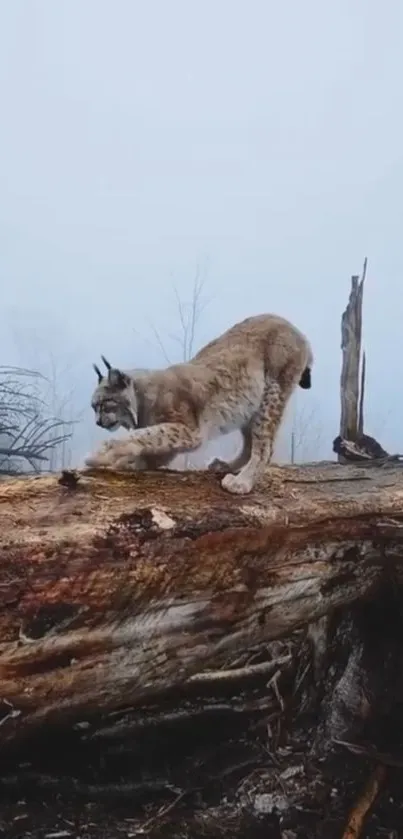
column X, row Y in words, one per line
column 300, row 679
column 365, row 801
column 148, row 825
column 273, row 682
column 158, row 339
column 263, row 667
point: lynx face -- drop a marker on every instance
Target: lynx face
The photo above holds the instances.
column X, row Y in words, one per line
column 114, row 401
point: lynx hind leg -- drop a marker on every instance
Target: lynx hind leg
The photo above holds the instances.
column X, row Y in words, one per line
column 263, row 432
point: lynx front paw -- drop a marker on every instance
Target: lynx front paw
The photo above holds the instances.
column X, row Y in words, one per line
column 110, row 454
column 129, row 463
column 237, row 484
column 95, row 461
column 100, row 458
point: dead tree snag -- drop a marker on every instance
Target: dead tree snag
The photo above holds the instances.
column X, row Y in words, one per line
column 351, row 331
column 352, row 444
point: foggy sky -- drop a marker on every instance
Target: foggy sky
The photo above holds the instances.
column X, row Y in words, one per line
column 262, row 141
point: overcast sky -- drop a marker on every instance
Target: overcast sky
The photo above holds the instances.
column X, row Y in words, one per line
column 260, row 140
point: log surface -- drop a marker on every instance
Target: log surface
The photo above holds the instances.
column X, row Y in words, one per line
column 125, row 586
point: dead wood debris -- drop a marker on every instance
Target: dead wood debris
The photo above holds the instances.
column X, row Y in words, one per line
column 226, row 775
column 364, row 803
column 245, row 672
column 69, row 479
column 364, row 451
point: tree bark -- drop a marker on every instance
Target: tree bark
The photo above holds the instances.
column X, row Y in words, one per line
column 352, row 408
column 116, row 588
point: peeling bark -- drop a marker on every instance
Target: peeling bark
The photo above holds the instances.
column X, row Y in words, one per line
column 116, row 588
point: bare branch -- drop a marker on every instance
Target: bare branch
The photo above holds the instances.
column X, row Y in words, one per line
column 183, row 323
column 188, row 315
column 160, row 344
column 195, row 311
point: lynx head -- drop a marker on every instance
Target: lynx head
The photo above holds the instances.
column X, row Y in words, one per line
column 114, row 400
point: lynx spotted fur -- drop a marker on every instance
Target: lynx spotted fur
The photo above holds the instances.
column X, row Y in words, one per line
column 241, row 380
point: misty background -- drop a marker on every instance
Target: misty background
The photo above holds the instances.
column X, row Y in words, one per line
column 256, row 147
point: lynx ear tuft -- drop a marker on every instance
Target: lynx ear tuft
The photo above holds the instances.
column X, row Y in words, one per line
column 106, row 362
column 98, row 372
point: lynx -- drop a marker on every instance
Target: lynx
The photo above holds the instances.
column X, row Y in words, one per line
column 241, row 380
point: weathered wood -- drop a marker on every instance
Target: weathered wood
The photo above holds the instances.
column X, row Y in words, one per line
column 351, row 329
column 120, row 587
column 352, row 444
column 360, row 429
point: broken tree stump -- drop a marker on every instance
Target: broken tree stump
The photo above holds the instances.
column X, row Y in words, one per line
column 115, row 588
column 352, row 444
column 352, row 406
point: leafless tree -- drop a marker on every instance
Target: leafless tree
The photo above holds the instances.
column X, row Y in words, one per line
column 60, row 403
column 54, row 385
column 189, row 313
column 29, row 433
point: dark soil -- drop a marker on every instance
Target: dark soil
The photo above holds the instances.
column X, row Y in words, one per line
column 259, row 793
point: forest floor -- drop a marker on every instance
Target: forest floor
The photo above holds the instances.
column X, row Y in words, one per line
column 227, row 772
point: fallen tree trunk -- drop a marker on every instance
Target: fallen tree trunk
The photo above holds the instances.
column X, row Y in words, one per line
column 117, row 588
